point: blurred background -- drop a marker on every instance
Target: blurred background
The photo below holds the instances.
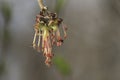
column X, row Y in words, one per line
column 91, row 51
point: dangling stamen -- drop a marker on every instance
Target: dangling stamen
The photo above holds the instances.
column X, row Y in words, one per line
column 50, row 42
column 45, row 48
column 43, row 43
column 39, row 39
column 49, row 45
column 64, row 30
column 34, row 40
column 58, row 38
column 43, row 39
column 48, row 61
column 53, row 38
column 58, row 34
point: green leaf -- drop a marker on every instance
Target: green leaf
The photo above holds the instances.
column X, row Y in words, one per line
column 62, row 65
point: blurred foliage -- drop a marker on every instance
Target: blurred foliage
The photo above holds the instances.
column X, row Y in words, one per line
column 62, row 65
column 58, row 6
column 6, row 12
column 2, row 66
column 6, row 38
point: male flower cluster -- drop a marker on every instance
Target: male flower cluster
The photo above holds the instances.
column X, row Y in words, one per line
column 47, row 33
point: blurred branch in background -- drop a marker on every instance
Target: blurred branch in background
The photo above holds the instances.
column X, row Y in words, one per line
column 5, row 11
column 2, row 66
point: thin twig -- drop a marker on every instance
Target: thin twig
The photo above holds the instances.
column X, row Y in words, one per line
column 40, row 2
